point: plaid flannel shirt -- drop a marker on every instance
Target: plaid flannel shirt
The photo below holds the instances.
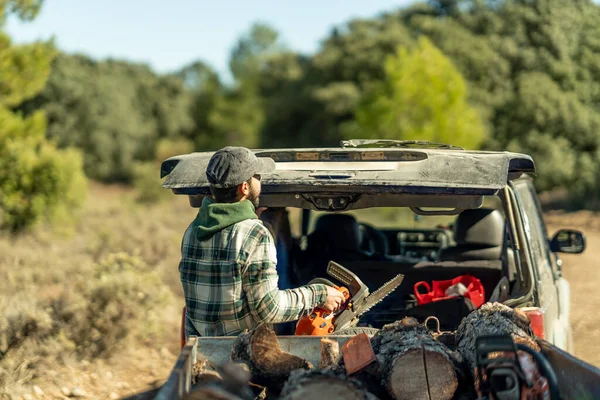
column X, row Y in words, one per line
column 231, row 284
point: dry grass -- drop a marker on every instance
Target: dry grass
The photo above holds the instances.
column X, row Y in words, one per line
column 97, row 306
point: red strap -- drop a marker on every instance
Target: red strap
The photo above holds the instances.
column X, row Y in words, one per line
column 420, row 297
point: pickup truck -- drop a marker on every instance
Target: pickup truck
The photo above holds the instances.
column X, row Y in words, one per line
column 429, row 211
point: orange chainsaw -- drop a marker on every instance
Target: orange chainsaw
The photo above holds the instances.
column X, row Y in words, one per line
column 357, row 302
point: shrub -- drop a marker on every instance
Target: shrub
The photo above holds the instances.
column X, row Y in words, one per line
column 22, row 319
column 147, row 174
column 121, row 302
column 37, row 181
column 173, row 147
column 148, row 184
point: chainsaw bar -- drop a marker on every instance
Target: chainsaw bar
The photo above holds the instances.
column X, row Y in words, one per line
column 378, row 295
column 349, row 317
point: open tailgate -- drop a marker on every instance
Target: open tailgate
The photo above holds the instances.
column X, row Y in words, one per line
column 360, row 171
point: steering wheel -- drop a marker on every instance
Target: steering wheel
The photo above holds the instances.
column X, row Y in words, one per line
column 373, row 241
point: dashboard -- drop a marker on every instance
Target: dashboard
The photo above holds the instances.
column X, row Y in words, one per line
column 418, row 243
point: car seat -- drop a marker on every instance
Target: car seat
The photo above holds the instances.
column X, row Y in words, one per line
column 479, row 235
column 336, row 237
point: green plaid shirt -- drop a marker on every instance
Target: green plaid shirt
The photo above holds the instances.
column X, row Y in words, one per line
column 230, row 282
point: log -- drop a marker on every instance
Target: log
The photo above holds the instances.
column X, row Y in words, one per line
column 322, row 385
column 202, row 376
column 231, row 381
column 413, row 365
column 269, row 365
column 330, row 353
column 492, row 319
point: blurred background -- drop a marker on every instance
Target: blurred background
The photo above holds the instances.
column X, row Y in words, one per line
column 94, row 95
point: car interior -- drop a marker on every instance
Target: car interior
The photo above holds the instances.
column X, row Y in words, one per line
column 474, row 242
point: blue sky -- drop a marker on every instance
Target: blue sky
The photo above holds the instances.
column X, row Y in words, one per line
column 168, row 35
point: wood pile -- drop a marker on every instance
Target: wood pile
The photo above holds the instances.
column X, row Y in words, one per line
column 410, row 363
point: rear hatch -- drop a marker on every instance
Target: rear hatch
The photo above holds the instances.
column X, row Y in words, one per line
column 362, row 174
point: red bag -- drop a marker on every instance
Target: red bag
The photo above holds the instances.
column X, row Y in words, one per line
column 475, row 291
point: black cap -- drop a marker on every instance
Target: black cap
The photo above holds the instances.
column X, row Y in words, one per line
column 232, row 166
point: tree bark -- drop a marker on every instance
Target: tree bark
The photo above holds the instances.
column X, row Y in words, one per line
column 330, row 353
column 413, row 365
column 323, row 385
column 269, row 365
column 492, row 319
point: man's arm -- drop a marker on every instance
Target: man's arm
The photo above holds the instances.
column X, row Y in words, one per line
column 259, row 282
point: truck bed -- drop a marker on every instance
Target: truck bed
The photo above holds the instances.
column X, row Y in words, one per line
column 576, row 378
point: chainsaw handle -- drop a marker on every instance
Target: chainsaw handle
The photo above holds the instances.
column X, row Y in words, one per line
column 345, row 292
column 321, row 321
column 327, row 282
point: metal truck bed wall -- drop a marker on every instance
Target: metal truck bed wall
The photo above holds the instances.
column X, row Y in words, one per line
column 576, row 378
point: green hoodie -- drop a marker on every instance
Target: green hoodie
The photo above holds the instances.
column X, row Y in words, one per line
column 214, row 217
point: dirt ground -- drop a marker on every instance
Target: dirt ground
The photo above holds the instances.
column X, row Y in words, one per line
column 583, row 273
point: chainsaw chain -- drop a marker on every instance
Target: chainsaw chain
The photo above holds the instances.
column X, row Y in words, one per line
column 377, row 296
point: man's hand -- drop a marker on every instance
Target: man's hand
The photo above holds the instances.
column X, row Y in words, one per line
column 335, row 298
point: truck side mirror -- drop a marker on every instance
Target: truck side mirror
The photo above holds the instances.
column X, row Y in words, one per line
column 568, row 241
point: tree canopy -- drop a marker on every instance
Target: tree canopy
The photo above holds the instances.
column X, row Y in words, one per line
column 422, row 97
column 534, row 69
column 37, row 181
column 513, row 75
column 114, row 111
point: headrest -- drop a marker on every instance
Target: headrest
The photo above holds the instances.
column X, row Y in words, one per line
column 338, row 231
column 483, row 226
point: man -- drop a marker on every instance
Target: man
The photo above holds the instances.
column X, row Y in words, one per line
column 228, row 264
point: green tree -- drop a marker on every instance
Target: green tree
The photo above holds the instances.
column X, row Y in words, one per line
column 252, row 51
column 320, row 97
column 204, row 87
column 37, row 181
column 533, row 67
column 234, row 114
column 115, row 112
column 422, row 97
column 237, row 117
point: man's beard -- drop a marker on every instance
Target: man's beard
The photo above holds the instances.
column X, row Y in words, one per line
column 254, row 197
column 255, row 201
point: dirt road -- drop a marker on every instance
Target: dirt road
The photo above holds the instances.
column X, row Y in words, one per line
column 583, row 273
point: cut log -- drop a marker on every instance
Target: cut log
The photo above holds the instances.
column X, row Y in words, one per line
column 330, row 353
column 492, row 319
column 323, row 384
column 206, row 377
column 259, row 390
column 202, row 376
column 230, row 381
column 413, row 365
column 269, row 365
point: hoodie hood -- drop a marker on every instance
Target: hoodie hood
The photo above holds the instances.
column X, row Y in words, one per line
column 214, row 217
